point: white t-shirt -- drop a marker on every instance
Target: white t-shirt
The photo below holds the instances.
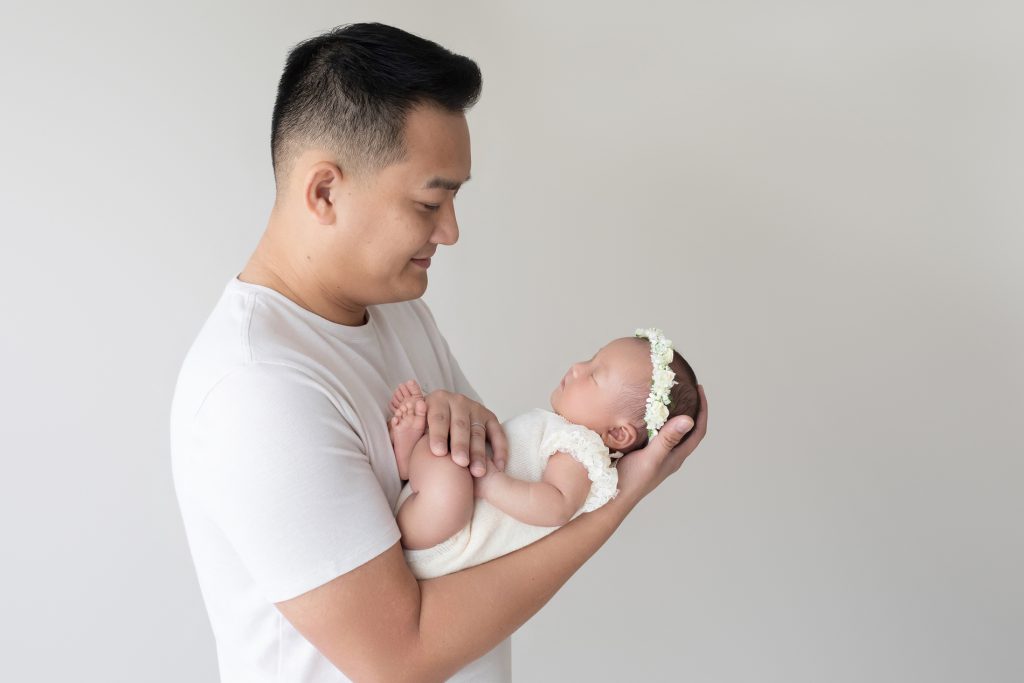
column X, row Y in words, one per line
column 284, row 469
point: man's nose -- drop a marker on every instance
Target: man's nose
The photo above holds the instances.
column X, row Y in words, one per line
column 448, row 230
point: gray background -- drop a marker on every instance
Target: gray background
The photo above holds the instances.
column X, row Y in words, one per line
column 820, row 203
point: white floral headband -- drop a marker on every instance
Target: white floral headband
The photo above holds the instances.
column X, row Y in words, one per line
column 662, row 379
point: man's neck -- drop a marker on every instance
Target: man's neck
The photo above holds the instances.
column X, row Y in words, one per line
column 258, row 274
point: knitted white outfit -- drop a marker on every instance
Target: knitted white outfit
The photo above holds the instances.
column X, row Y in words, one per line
column 532, row 438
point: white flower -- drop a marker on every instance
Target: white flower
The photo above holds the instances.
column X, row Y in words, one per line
column 662, row 378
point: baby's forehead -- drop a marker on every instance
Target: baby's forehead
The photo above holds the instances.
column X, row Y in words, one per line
column 627, row 344
column 627, row 351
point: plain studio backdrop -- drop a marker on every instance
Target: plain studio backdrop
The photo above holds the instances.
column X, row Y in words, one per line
column 819, row 203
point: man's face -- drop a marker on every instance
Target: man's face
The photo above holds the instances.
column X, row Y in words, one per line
column 402, row 213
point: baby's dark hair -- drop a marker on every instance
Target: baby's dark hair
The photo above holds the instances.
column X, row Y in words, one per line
column 684, row 399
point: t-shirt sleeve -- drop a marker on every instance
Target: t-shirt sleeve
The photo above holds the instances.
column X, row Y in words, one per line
column 284, row 475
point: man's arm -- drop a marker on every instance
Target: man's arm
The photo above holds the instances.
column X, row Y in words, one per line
column 377, row 622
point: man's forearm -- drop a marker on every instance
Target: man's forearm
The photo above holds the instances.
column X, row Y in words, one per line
column 466, row 614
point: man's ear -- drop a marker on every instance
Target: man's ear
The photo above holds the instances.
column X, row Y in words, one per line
column 322, row 190
column 620, row 436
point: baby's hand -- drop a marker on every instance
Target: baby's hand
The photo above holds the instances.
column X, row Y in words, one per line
column 482, row 485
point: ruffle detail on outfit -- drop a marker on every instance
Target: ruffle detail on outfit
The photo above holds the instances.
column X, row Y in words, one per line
column 586, row 446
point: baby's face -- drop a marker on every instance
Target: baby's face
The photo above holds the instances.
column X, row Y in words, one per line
column 590, row 390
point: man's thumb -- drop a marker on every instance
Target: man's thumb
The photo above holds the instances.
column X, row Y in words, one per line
column 676, row 429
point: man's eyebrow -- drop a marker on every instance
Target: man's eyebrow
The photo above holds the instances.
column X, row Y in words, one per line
column 444, row 183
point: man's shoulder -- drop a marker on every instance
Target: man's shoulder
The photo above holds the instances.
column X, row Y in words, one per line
column 236, row 351
column 245, row 386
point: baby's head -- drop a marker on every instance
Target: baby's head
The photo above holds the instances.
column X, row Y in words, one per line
column 608, row 393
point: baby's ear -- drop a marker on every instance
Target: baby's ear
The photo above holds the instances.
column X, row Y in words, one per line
column 621, row 436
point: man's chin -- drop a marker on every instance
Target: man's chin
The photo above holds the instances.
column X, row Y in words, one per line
column 406, row 291
column 415, row 290
column 425, row 280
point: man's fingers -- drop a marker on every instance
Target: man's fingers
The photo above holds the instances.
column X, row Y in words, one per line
column 666, row 449
column 477, row 445
column 689, row 441
column 454, row 418
column 701, row 427
column 438, row 417
column 458, row 433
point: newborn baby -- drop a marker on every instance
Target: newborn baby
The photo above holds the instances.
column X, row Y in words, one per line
column 559, row 460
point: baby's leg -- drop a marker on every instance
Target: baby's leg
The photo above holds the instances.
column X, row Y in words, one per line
column 442, row 502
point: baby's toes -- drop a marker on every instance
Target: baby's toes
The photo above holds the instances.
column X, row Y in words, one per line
column 413, row 388
column 399, row 397
column 419, row 417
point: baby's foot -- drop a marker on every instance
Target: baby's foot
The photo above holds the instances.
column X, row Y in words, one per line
column 408, row 425
column 403, row 393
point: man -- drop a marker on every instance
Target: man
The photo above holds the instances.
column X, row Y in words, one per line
column 281, row 456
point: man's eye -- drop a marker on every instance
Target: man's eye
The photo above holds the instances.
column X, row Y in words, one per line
column 432, row 207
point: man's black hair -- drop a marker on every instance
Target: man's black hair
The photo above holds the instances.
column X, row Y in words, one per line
column 349, row 91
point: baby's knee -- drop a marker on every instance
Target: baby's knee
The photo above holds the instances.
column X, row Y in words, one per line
column 443, row 494
column 439, row 474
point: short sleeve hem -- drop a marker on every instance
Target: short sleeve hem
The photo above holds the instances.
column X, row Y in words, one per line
column 330, row 571
column 285, row 477
column 586, row 446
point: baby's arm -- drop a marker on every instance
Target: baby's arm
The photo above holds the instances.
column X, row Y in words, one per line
column 549, row 502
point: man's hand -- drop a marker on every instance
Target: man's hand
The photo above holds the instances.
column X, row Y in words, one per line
column 469, row 426
column 640, row 472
